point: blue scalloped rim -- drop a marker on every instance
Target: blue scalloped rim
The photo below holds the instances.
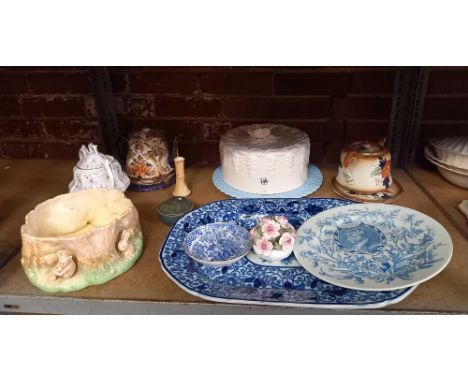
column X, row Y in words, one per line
column 312, row 184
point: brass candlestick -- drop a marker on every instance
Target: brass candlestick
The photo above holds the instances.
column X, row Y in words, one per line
column 180, row 188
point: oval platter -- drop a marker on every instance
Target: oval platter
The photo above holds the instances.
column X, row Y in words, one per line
column 251, row 280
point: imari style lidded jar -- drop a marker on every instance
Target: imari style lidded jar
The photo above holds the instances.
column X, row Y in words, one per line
column 365, row 167
column 149, row 165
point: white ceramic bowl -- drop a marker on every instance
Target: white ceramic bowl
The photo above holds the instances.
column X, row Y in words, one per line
column 430, row 156
column 452, row 150
column 275, row 255
column 453, row 176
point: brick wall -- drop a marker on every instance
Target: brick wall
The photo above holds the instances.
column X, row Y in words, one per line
column 446, row 105
column 332, row 105
column 50, row 112
column 46, row 112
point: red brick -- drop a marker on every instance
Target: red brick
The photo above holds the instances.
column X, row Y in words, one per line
column 358, row 107
column 310, row 69
column 332, row 152
column 139, row 107
column 241, row 122
column 373, row 82
column 181, row 69
column 448, row 81
column 441, row 129
column 365, row 131
column 30, row 69
column 50, row 129
column 13, row 84
column 237, row 83
column 446, row 108
column 311, row 83
column 60, row 83
column 90, row 106
column 163, row 83
column 187, row 107
column 9, row 106
column 20, row 128
column 125, row 69
column 172, row 127
column 71, row 129
column 42, row 149
column 277, row 107
column 316, row 152
column 320, row 131
column 55, row 107
column 126, row 124
column 195, row 151
column 16, row 149
column 213, row 130
column 118, row 82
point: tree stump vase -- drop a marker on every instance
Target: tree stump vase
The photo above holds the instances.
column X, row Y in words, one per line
column 80, row 239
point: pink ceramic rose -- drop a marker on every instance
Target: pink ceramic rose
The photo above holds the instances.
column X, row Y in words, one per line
column 253, row 233
column 283, row 220
column 263, row 246
column 286, row 240
column 265, row 220
column 271, row 229
column 273, row 238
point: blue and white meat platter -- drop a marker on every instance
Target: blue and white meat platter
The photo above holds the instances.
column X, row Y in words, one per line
column 251, row 281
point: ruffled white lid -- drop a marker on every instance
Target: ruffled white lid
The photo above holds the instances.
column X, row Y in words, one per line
column 456, row 144
column 91, row 158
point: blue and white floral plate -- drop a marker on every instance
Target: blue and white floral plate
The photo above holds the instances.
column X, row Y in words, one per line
column 218, row 243
column 373, row 247
column 313, row 182
column 251, row 280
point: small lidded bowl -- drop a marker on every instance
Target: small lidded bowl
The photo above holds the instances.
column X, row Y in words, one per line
column 273, row 238
column 218, row 244
column 365, row 167
column 173, row 209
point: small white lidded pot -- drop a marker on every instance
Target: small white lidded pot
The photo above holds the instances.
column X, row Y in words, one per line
column 97, row 170
column 273, row 238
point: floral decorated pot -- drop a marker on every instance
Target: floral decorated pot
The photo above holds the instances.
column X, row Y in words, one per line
column 273, row 238
column 148, row 162
column 365, row 167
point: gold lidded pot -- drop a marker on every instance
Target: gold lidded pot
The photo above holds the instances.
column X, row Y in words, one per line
column 365, row 167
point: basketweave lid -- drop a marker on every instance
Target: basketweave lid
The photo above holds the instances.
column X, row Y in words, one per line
column 456, row 144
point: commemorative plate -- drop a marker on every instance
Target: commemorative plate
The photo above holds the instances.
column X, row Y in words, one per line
column 373, row 247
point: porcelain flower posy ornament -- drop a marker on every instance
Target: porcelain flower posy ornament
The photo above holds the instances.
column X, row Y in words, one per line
column 273, row 238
